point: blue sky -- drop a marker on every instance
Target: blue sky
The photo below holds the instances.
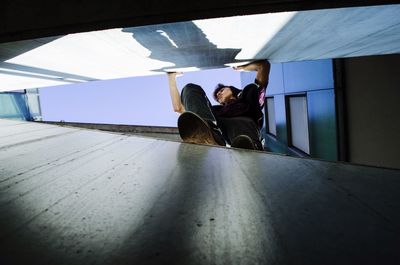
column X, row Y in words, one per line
column 133, row 101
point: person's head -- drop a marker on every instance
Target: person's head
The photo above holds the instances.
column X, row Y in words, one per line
column 224, row 94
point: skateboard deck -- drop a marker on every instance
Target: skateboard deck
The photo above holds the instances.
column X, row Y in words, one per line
column 244, row 142
column 194, row 129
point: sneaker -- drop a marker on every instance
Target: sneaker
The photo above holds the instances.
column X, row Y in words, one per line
column 244, row 142
column 194, row 129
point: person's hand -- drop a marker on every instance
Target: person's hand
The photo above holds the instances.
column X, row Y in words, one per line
column 253, row 66
column 241, row 67
column 174, row 74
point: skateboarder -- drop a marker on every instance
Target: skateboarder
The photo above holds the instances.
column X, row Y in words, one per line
column 236, row 121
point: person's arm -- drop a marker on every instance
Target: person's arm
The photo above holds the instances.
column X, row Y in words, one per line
column 262, row 67
column 175, row 96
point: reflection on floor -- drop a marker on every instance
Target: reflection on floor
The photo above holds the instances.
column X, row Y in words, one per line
column 78, row 196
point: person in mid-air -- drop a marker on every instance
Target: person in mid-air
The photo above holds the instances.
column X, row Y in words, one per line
column 236, row 121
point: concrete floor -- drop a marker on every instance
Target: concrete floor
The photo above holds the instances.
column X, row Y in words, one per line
column 77, row 196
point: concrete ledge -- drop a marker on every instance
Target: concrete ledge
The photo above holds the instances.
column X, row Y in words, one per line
column 119, row 127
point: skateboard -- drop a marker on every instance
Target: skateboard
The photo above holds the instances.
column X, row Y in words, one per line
column 244, row 142
column 194, row 129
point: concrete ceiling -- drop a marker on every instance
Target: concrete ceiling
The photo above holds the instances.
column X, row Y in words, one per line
column 200, row 44
column 21, row 19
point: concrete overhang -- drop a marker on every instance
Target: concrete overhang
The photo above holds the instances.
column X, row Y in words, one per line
column 199, row 44
column 22, row 19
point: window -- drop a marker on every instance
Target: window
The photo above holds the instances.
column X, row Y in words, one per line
column 271, row 125
column 33, row 101
column 13, row 106
column 298, row 118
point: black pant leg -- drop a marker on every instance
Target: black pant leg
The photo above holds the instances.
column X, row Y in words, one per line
column 195, row 99
column 235, row 126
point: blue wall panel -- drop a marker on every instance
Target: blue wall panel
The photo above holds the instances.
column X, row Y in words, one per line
column 280, row 118
column 322, row 124
column 275, row 85
column 308, row 75
column 278, row 144
column 315, row 79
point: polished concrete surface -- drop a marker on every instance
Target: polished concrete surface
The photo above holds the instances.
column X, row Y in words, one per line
column 78, row 196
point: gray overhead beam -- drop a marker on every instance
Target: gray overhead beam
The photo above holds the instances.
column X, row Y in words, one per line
column 21, row 19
